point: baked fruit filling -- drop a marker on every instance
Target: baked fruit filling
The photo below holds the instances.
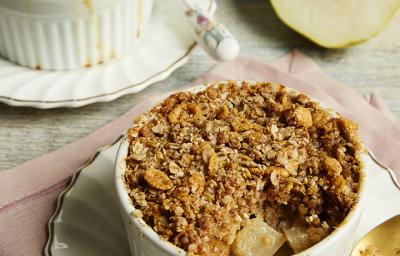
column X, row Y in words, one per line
column 242, row 169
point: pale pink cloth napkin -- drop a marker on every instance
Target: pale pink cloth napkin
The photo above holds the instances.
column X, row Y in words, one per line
column 28, row 192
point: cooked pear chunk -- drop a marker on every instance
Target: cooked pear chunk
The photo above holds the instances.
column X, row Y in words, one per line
column 257, row 239
column 300, row 236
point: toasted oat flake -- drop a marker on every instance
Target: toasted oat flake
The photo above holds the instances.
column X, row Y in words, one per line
column 157, row 179
column 303, row 116
column 137, row 213
column 202, row 166
column 174, row 168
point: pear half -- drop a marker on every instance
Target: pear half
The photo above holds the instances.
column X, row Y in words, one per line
column 336, row 23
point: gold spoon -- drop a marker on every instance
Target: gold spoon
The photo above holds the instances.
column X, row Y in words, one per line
column 383, row 240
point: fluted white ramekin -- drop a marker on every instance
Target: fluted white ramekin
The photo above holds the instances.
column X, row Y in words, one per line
column 69, row 34
column 143, row 240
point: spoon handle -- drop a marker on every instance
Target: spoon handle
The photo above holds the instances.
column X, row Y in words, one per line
column 211, row 35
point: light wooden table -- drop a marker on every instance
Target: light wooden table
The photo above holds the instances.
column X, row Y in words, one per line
column 26, row 133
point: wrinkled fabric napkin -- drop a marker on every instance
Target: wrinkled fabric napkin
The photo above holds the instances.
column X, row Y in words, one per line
column 28, row 193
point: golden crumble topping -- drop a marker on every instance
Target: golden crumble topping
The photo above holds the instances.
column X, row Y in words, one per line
column 201, row 165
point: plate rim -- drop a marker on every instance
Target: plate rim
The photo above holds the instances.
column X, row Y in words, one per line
column 61, row 197
column 102, row 97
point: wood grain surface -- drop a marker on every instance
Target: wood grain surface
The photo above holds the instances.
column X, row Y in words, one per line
column 26, row 133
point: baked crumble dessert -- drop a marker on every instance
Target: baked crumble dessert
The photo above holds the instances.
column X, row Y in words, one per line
column 240, row 168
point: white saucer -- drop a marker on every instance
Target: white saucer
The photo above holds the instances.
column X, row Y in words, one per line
column 164, row 46
column 87, row 220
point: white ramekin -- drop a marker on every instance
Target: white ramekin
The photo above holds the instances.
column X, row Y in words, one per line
column 145, row 241
column 69, row 34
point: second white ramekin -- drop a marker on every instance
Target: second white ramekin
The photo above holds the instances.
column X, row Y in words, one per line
column 69, row 34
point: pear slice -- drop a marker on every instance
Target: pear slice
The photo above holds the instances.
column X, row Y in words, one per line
column 336, row 23
column 257, row 239
column 301, row 237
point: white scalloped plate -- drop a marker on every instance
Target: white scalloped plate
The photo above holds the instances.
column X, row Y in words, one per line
column 164, row 46
column 87, row 220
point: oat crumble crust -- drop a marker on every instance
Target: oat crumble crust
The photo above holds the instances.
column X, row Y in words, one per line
column 200, row 165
